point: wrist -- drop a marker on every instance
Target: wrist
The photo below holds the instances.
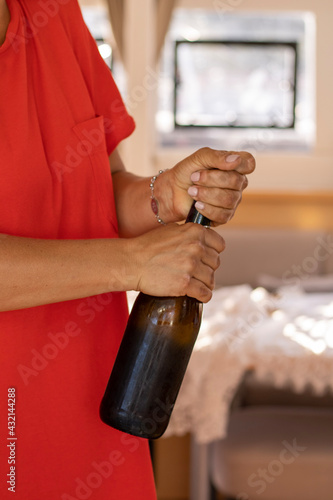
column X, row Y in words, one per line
column 154, row 202
column 164, row 195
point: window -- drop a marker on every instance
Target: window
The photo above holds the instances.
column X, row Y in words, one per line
column 235, row 84
column 245, row 79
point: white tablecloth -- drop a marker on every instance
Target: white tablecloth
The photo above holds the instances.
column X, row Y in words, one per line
column 287, row 338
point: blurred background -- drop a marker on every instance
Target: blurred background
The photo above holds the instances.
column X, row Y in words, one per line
column 230, row 74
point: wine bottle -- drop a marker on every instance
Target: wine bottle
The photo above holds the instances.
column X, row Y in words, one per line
column 152, row 360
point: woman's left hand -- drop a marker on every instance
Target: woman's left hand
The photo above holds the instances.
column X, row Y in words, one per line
column 215, row 179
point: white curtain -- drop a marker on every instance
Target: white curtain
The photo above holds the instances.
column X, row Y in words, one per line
column 117, row 11
column 164, row 9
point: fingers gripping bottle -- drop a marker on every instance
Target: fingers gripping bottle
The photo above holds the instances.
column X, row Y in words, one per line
column 152, row 360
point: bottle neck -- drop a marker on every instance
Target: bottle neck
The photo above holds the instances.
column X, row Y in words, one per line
column 196, row 217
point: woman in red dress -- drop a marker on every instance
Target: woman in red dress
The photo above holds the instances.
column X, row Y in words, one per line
column 75, row 235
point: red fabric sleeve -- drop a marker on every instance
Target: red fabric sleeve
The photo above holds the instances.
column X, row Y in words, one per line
column 98, row 77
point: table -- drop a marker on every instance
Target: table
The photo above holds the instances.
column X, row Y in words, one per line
column 285, row 337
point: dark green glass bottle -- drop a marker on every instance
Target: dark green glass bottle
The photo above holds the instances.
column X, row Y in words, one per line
column 152, row 360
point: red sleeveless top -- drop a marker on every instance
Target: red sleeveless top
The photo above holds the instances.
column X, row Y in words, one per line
column 61, row 115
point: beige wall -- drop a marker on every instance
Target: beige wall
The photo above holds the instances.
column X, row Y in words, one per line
column 302, row 176
column 292, row 172
column 276, row 172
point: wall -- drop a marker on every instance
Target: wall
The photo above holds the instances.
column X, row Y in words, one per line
column 297, row 172
column 294, row 190
column 293, row 182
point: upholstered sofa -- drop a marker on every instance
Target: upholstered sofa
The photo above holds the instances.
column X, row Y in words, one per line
column 289, row 256
column 254, row 462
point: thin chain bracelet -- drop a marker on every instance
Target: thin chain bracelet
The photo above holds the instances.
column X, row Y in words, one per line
column 154, row 202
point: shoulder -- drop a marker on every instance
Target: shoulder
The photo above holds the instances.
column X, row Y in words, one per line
column 50, row 9
column 55, row 17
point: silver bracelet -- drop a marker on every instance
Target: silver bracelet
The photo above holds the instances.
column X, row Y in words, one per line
column 154, row 202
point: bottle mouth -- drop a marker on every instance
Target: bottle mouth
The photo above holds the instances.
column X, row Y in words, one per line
column 197, row 217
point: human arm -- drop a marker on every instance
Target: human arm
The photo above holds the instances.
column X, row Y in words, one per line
column 172, row 260
column 218, row 181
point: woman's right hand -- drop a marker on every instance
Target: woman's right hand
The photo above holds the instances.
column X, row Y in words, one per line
column 170, row 260
column 176, row 260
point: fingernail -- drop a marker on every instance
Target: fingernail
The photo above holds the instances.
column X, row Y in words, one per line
column 192, row 191
column 195, row 177
column 199, row 205
column 232, row 158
